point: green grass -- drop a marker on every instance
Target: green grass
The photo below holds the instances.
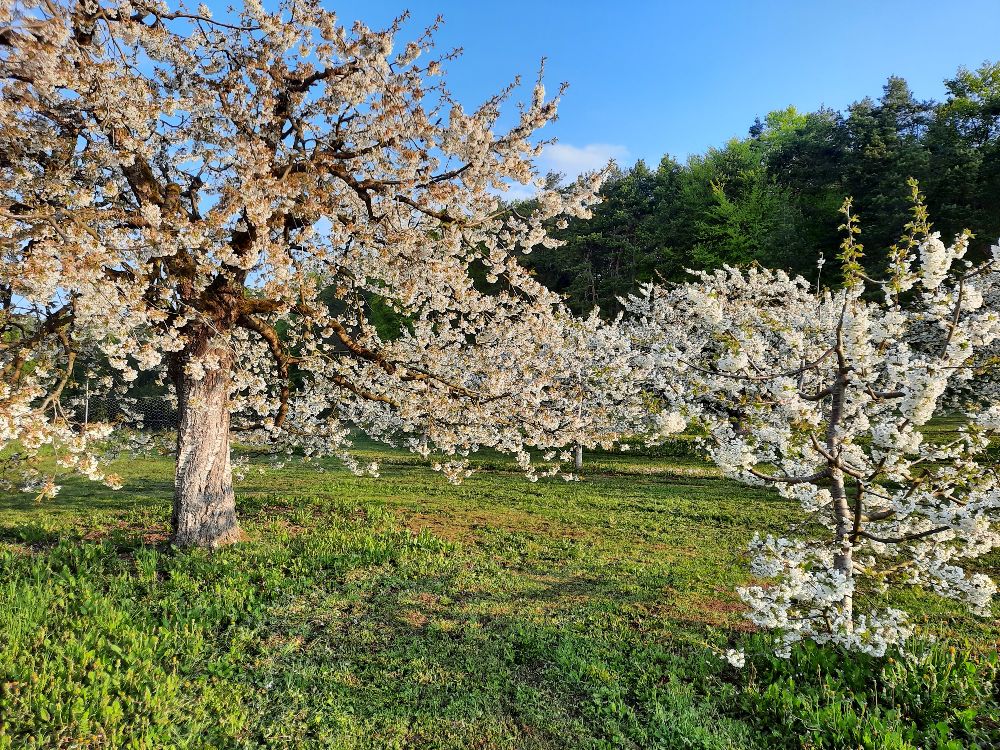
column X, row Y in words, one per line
column 404, row 612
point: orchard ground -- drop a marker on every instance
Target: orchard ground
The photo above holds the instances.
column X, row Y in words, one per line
column 404, row 612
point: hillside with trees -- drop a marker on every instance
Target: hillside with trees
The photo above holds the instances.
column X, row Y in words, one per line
column 772, row 197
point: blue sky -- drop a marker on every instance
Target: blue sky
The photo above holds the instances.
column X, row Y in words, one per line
column 648, row 78
column 652, row 78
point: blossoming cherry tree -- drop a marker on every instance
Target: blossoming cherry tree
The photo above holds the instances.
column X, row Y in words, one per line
column 224, row 202
column 823, row 396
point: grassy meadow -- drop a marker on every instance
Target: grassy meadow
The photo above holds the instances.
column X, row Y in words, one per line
column 404, row 612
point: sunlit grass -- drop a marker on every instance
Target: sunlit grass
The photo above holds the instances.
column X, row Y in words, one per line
column 393, row 612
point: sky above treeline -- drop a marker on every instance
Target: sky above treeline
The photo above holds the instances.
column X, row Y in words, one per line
column 651, row 78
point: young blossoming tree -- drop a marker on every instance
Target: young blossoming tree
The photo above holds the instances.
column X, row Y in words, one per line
column 225, row 202
column 823, row 396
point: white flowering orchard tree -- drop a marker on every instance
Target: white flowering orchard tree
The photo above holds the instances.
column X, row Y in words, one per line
column 606, row 392
column 224, row 201
column 822, row 396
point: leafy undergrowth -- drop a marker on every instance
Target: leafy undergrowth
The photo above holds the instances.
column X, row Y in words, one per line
column 404, row 612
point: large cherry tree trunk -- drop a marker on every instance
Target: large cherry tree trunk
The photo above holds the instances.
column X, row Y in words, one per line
column 204, row 513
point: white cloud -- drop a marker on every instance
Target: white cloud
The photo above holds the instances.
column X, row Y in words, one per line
column 571, row 161
column 575, row 160
column 517, row 192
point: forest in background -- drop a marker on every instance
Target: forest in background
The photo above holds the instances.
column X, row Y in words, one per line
column 773, row 196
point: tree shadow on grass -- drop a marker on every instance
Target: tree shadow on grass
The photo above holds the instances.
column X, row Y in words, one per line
column 78, row 495
column 428, row 664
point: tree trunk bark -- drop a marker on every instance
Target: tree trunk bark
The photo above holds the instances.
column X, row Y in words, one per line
column 204, row 512
column 578, row 457
column 843, row 559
